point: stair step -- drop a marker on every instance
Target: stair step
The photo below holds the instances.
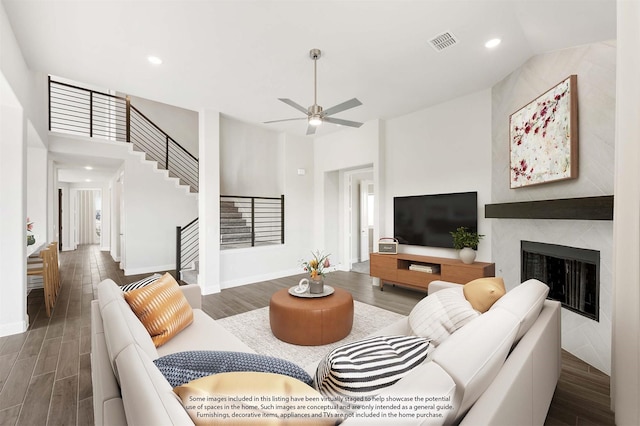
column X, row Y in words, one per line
column 189, row 276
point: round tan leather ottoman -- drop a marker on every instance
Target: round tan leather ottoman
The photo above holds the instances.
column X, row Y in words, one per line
column 311, row 321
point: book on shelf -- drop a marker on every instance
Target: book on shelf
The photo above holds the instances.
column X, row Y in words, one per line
column 429, row 269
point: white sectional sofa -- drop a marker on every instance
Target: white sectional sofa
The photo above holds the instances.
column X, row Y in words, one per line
column 469, row 366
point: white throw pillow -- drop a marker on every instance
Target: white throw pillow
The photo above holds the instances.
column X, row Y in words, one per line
column 440, row 314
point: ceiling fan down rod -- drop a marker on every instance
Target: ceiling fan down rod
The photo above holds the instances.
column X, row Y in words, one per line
column 315, row 55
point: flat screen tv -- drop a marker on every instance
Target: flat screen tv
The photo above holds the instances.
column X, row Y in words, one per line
column 427, row 220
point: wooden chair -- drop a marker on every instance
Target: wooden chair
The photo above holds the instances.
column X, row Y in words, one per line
column 50, row 276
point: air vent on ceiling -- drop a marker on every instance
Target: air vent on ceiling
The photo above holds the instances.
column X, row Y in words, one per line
column 443, row 41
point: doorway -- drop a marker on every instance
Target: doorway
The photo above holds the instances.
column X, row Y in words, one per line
column 359, row 214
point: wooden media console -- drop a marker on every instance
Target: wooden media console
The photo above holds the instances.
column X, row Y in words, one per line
column 398, row 269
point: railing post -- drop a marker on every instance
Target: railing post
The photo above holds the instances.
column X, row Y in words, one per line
column 253, row 222
column 49, row 78
column 91, row 114
column 178, row 251
column 282, row 218
column 128, row 118
column 166, row 161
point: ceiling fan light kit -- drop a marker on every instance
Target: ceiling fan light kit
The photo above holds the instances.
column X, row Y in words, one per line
column 315, row 114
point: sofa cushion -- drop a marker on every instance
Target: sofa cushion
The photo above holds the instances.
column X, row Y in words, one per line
column 525, row 302
column 440, row 314
column 121, row 326
column 108, row 292
column 140, row 283
column 474, row 355
column 367, row 366
column 162, row 308
column 182, row 367
column 482, row 293
column 204, row 334
column 244, row 386
column 147, row 396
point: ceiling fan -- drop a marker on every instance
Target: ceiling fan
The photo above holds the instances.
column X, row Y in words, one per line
column 315, row 114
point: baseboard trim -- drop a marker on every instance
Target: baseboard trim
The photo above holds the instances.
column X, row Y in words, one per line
column 259, row 278
column 14, row 327
column 149, row 269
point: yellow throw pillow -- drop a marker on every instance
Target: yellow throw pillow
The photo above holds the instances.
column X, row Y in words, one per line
column 253, row 398
column 483, row 292
column 161, row 308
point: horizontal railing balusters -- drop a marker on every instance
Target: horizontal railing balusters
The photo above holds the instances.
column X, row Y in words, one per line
column 77, row 110
column 248, row 221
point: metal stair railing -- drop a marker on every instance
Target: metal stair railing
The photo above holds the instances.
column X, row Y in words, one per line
column 80, row 111
column 245, row 221
column 187, row 245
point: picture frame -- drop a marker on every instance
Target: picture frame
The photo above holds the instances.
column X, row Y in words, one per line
column 543, row 137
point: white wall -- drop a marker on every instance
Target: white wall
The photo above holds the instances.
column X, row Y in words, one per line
column 13, row 312
column 20, row 112
column 243, row 266
column 594, row 65
column 153, row 208
column 250, row 163
column 333, row 155
column 179, row 123
column 442, row 149
column 37, row 194
column 625, row 377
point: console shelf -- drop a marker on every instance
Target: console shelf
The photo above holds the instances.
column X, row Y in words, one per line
column 395, row 269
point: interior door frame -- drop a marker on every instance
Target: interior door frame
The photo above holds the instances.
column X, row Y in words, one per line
column 351, row 236
column 60, row 219
column 364, row 213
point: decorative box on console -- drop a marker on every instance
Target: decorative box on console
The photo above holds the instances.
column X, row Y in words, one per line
column 388, row 246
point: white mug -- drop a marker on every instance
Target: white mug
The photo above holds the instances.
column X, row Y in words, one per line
column 303, row 285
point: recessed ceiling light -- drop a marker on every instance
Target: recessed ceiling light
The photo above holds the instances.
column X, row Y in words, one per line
column 492, row 43
column 154, row 60
column 88, row 168
column 87, row 180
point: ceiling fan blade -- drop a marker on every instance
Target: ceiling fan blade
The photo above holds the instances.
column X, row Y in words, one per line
column 311, row 130
column 351, row 103
column 295, row 105
column 342, row 122
column 286, row 119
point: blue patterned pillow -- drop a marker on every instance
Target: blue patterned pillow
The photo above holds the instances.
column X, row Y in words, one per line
column 182, row 367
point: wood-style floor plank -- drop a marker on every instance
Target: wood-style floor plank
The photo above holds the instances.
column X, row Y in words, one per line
column 57, row 375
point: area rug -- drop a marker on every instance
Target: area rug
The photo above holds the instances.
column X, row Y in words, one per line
column 253, row 329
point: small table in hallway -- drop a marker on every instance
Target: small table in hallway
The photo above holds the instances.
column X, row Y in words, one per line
column 311, row 321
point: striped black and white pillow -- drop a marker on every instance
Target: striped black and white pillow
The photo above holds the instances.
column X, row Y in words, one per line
column 366, row 367
column 138, row 284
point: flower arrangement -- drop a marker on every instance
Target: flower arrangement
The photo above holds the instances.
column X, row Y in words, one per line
column 317, row 265
column 29, row 225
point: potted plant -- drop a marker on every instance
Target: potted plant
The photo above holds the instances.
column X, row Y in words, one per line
column 467, row 242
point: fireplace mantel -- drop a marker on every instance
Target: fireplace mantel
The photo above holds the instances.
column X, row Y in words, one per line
column 584, row 208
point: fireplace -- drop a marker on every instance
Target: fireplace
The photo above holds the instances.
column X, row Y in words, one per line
column 572, row 274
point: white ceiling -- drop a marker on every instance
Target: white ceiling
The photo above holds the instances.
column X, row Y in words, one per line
column 73, row 168
column 238, row 57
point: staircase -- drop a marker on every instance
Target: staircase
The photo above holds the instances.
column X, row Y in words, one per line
column 234, row 230
column 244, row 221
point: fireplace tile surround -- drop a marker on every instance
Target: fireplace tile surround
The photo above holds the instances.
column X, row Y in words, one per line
column 595, row 67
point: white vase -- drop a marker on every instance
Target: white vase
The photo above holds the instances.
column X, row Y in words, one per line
column 467, row 255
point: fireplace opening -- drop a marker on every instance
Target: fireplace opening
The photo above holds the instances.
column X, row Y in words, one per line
column 572, row 274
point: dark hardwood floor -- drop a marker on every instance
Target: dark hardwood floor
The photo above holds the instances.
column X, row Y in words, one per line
column 45, row 373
